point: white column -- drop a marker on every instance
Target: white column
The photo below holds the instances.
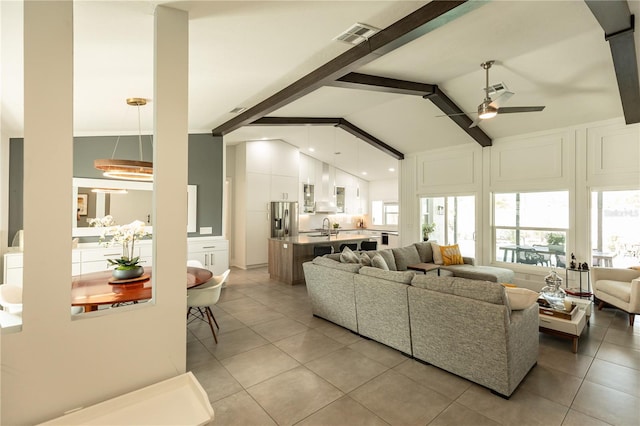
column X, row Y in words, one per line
column 170, row 157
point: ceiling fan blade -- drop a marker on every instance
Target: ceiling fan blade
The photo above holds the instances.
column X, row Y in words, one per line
column 502, row 99
column 510, row 110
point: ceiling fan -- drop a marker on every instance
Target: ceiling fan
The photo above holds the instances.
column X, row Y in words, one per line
column 489, row 108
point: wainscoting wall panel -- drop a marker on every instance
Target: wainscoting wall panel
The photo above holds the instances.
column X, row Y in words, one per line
column 530, row 162
column 454, row 170
column 613, row 154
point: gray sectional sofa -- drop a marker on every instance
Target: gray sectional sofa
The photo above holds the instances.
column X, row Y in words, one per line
column 458, row 324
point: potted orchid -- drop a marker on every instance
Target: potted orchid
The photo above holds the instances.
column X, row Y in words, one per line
column 127, row 266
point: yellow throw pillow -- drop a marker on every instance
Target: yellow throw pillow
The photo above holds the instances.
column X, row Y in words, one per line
column 637, row 268
column 451, row 255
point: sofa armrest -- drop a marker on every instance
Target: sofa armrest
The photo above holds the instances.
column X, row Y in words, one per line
column 634, row 301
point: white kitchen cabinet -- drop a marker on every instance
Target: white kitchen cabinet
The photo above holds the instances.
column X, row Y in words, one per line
column 285, row 159
column 213, row 253
column 258, row 157
column 257, row 234
column 258, row 191
column 284, row 188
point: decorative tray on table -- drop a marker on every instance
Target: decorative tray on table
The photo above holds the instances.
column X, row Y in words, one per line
column 547, row 310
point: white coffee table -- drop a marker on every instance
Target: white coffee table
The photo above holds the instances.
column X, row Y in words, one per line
column 569, row 329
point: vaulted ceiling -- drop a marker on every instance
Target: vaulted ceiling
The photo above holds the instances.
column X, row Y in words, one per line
column 550, row 53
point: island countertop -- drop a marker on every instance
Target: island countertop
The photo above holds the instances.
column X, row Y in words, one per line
column 305, row 239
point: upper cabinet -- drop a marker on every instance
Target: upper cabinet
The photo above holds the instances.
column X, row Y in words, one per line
column 273, row 157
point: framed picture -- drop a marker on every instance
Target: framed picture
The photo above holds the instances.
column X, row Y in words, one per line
column 82, row 204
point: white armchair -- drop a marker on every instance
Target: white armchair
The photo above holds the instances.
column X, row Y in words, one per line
column 619, row 288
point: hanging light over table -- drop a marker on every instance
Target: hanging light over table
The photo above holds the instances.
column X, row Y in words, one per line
column 127, row 169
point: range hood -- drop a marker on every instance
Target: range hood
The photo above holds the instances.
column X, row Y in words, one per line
column 326, row 202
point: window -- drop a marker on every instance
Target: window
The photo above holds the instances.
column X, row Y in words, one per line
column 455, row 221
column 384, row 213
column 531, row 228
column 615, row 234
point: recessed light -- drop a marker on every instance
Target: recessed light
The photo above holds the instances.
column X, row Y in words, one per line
column 312, row 149
column 364, row 173
column 392, row 169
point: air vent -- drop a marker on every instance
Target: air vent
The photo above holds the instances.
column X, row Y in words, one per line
column 238, row 110
column 497, row 88
column 357, row 33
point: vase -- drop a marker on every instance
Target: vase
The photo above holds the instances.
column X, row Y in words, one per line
column 553, row 292
column 127, row 274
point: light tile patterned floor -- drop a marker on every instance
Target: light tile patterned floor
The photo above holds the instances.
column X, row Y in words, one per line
column 276, row 364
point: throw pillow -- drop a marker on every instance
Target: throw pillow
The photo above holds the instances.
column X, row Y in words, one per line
column 348, row 256
column 637, row 268
column 378, row 262
column 520, row 298
column 365, row 260
column 437, row 254
column 451, row 255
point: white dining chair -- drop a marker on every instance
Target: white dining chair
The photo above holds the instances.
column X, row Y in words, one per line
column 195, row 263
column 199, row 303
column 11, row 298
column 217, row 279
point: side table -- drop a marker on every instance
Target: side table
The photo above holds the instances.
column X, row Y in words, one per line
column 578, row 292
column 424, row 267
column 568, row 329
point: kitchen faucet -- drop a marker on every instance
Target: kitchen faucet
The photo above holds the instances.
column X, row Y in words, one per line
column 328, row 226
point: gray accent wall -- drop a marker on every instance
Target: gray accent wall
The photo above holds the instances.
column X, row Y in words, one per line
column 205, row 170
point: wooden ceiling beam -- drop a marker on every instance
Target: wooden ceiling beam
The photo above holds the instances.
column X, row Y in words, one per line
column 618, row 24
column 428, row 91
column 429, row 17
column 337, row 122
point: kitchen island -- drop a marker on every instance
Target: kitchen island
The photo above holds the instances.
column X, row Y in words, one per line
column 286, row 255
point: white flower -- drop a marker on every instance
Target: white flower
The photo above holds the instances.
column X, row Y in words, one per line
column 102, row 222
column 125, row 235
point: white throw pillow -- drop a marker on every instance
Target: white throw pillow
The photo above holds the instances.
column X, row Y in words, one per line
column 437, row 254
column 348, row 256
column 520, row 298
column 378, row 261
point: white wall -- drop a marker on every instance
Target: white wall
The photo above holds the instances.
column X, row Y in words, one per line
column 57, row 363
column 603, row 155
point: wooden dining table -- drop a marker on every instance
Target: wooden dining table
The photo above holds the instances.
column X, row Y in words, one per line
column 94, row 289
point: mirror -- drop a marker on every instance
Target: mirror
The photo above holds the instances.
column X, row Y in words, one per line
column 135, row 204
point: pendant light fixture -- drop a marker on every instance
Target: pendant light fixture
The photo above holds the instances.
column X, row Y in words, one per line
column 127, row 169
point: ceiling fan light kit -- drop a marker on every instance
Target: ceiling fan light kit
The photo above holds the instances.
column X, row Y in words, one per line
column 127, row 169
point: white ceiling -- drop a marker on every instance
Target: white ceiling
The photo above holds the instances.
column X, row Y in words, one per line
column 549, row 53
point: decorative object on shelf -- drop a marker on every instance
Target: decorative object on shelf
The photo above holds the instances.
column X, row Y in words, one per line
column 427, row 229
column 127, row 266
column 572, row 265
column 585, row 266
column 553, row 292
column 127, row 169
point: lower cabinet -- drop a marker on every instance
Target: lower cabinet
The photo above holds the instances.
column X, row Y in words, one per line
column 211, row 252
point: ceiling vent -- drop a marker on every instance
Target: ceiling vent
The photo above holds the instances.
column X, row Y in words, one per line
column 357, row 33
column 497, row 88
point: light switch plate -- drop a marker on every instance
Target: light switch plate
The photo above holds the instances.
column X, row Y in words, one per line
column 206, row 230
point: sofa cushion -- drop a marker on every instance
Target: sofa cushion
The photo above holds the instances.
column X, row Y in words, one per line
column 405, row 256
column 451, row 255
column 424, row 251
column 403, row 277
column 485, row 291
column 378, row 262
column 348, row 256
column 347, row 267
column 437, row 254
column 521, row 298
column 618, row 289
column 485, row 273
column 333, row 256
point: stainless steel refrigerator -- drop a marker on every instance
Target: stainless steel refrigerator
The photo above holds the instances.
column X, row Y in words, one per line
column 284, row 219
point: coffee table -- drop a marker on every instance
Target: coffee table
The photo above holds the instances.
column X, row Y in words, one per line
column 568, row 329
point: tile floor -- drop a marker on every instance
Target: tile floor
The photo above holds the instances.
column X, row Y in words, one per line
column 277, row 364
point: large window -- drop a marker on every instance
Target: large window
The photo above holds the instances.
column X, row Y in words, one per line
column 615, row 228
column 531, row 228
column 384, row 213
column 455, row 221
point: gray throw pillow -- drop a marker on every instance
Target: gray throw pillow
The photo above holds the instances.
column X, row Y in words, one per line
column 365, row 260
column 348, row 256
column 378, row 262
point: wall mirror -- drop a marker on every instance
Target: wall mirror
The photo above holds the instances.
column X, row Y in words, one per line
column 91, row 200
